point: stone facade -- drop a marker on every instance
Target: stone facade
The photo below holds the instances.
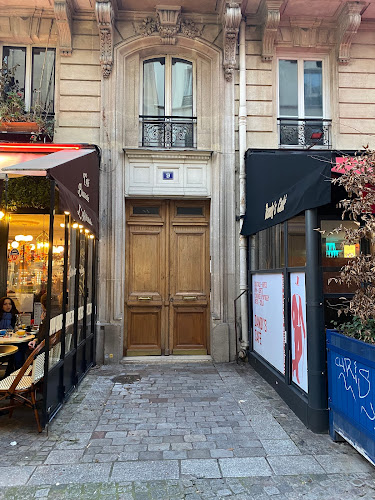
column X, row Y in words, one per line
column 98, row 91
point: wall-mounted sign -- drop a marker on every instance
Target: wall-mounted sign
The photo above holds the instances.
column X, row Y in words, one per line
column 167, row 176
column 268, row 318
column 298, row 330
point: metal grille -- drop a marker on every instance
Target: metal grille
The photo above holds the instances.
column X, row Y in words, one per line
column 168, row 131
column 304, row 133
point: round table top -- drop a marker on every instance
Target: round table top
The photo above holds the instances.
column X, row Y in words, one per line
column 7, row 350
column 15, row 339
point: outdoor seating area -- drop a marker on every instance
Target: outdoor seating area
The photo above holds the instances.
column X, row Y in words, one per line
column 20, row 387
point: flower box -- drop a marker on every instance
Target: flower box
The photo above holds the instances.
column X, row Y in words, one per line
column 15, row 127
column 351, row 392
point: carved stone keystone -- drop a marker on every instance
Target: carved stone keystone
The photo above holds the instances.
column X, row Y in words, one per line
column 168, row 23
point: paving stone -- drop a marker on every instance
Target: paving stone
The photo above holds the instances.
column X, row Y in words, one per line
column 348, row 464
column 144, row 471
column 13, row 476
column 201, row 468
column 244, row 467
column 82, row 473
column 280, row 447
column 295, row 465
column 64, row 457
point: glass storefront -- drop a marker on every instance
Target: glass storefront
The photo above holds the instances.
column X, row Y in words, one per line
column 50, row 263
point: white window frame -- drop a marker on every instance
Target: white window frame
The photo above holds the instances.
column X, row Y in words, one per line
column 300, row 86
column 168, row 81
column 28, row 68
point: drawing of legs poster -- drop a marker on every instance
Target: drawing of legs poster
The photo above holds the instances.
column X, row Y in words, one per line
column 268, row 318
column 298, row 330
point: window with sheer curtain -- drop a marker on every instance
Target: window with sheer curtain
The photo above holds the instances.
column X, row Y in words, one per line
column 34, row 74
column 167, row 108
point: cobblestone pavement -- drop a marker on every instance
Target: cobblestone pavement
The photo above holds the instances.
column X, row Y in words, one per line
column 176, row 431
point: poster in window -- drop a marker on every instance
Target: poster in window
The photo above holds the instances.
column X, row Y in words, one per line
column 298, row 329
column 268, row 318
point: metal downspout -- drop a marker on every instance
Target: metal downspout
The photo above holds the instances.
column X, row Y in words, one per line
column 242, row 116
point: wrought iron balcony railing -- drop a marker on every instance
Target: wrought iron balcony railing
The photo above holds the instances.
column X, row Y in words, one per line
column 304, row 133
column 168, row 131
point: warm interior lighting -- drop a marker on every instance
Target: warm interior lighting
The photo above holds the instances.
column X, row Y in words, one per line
column 21, row 237
column 15, row 244
column 80, row 226
column 2, row 214
column 87, row 230
column 67, row 213
column 92, row 236
column 62, row 225
column 75, row 225
column 32, row 247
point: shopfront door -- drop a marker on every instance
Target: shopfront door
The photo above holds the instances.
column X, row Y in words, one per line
column 167, row 277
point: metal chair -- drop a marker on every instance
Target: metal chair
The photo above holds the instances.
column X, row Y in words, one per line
column 20, row 386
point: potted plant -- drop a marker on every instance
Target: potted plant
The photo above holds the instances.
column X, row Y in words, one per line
column 351, row 348
column 13, row 115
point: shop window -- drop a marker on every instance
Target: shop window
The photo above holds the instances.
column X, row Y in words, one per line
column 296, row 242
column 336, row 254
column 302, row 102
column 34, row 75
column 269, row 248
column 167, row 103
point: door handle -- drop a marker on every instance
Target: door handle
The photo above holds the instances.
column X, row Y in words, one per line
column 144, row 298
column 190, row 298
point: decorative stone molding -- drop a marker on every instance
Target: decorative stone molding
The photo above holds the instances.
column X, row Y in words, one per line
column 348, row 24
column 185, row 27
column 305, row 32
column 105, row 14
column 168, row 23
column 231, row 20
column 63, row 14
column 270, row 12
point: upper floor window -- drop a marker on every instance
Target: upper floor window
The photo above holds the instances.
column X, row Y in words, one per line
column 301, row 103
column 167, row 103
column 34, row 75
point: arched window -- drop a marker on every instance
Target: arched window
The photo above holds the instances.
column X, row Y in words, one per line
column 167, row 103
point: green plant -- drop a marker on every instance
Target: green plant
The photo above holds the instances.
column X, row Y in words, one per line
column 358, row 179
column 12, row 105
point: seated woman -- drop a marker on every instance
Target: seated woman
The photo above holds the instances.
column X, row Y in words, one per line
column 8, row 318
column 8, row 313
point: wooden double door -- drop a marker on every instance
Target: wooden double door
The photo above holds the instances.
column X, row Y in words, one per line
column 167, row 277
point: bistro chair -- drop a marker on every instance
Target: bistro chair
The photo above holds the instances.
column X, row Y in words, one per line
column 20, row 386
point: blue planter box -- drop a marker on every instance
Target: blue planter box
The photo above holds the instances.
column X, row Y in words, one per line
column 351, row 392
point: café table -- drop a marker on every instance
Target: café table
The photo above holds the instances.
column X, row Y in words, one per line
column 15, row 339
column 6, row 351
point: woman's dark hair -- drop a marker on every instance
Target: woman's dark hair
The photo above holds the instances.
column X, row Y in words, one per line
column 14, row 309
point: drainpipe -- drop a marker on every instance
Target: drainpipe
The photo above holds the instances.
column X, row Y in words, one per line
column 242, row 115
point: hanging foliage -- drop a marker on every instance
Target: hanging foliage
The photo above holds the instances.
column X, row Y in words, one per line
column 28, row 193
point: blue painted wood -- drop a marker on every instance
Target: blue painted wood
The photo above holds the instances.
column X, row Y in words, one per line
column 351, row 391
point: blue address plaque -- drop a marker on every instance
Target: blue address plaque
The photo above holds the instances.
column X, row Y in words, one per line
column 168, row 176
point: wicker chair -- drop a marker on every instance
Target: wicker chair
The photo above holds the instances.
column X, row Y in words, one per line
column 20, row 386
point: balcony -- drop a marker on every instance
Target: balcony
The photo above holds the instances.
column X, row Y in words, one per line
column 304, row 133
column 168, row 131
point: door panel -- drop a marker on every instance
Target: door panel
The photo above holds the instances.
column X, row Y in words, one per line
column 167, row 277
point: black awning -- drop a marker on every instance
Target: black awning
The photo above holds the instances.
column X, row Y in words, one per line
column 281, row 184
column 76, row 173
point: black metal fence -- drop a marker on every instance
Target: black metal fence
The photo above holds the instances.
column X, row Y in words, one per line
column 304, row 133
column 168, row 131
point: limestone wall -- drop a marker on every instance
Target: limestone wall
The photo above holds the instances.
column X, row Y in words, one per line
column 350, row 88
column 78, row 79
